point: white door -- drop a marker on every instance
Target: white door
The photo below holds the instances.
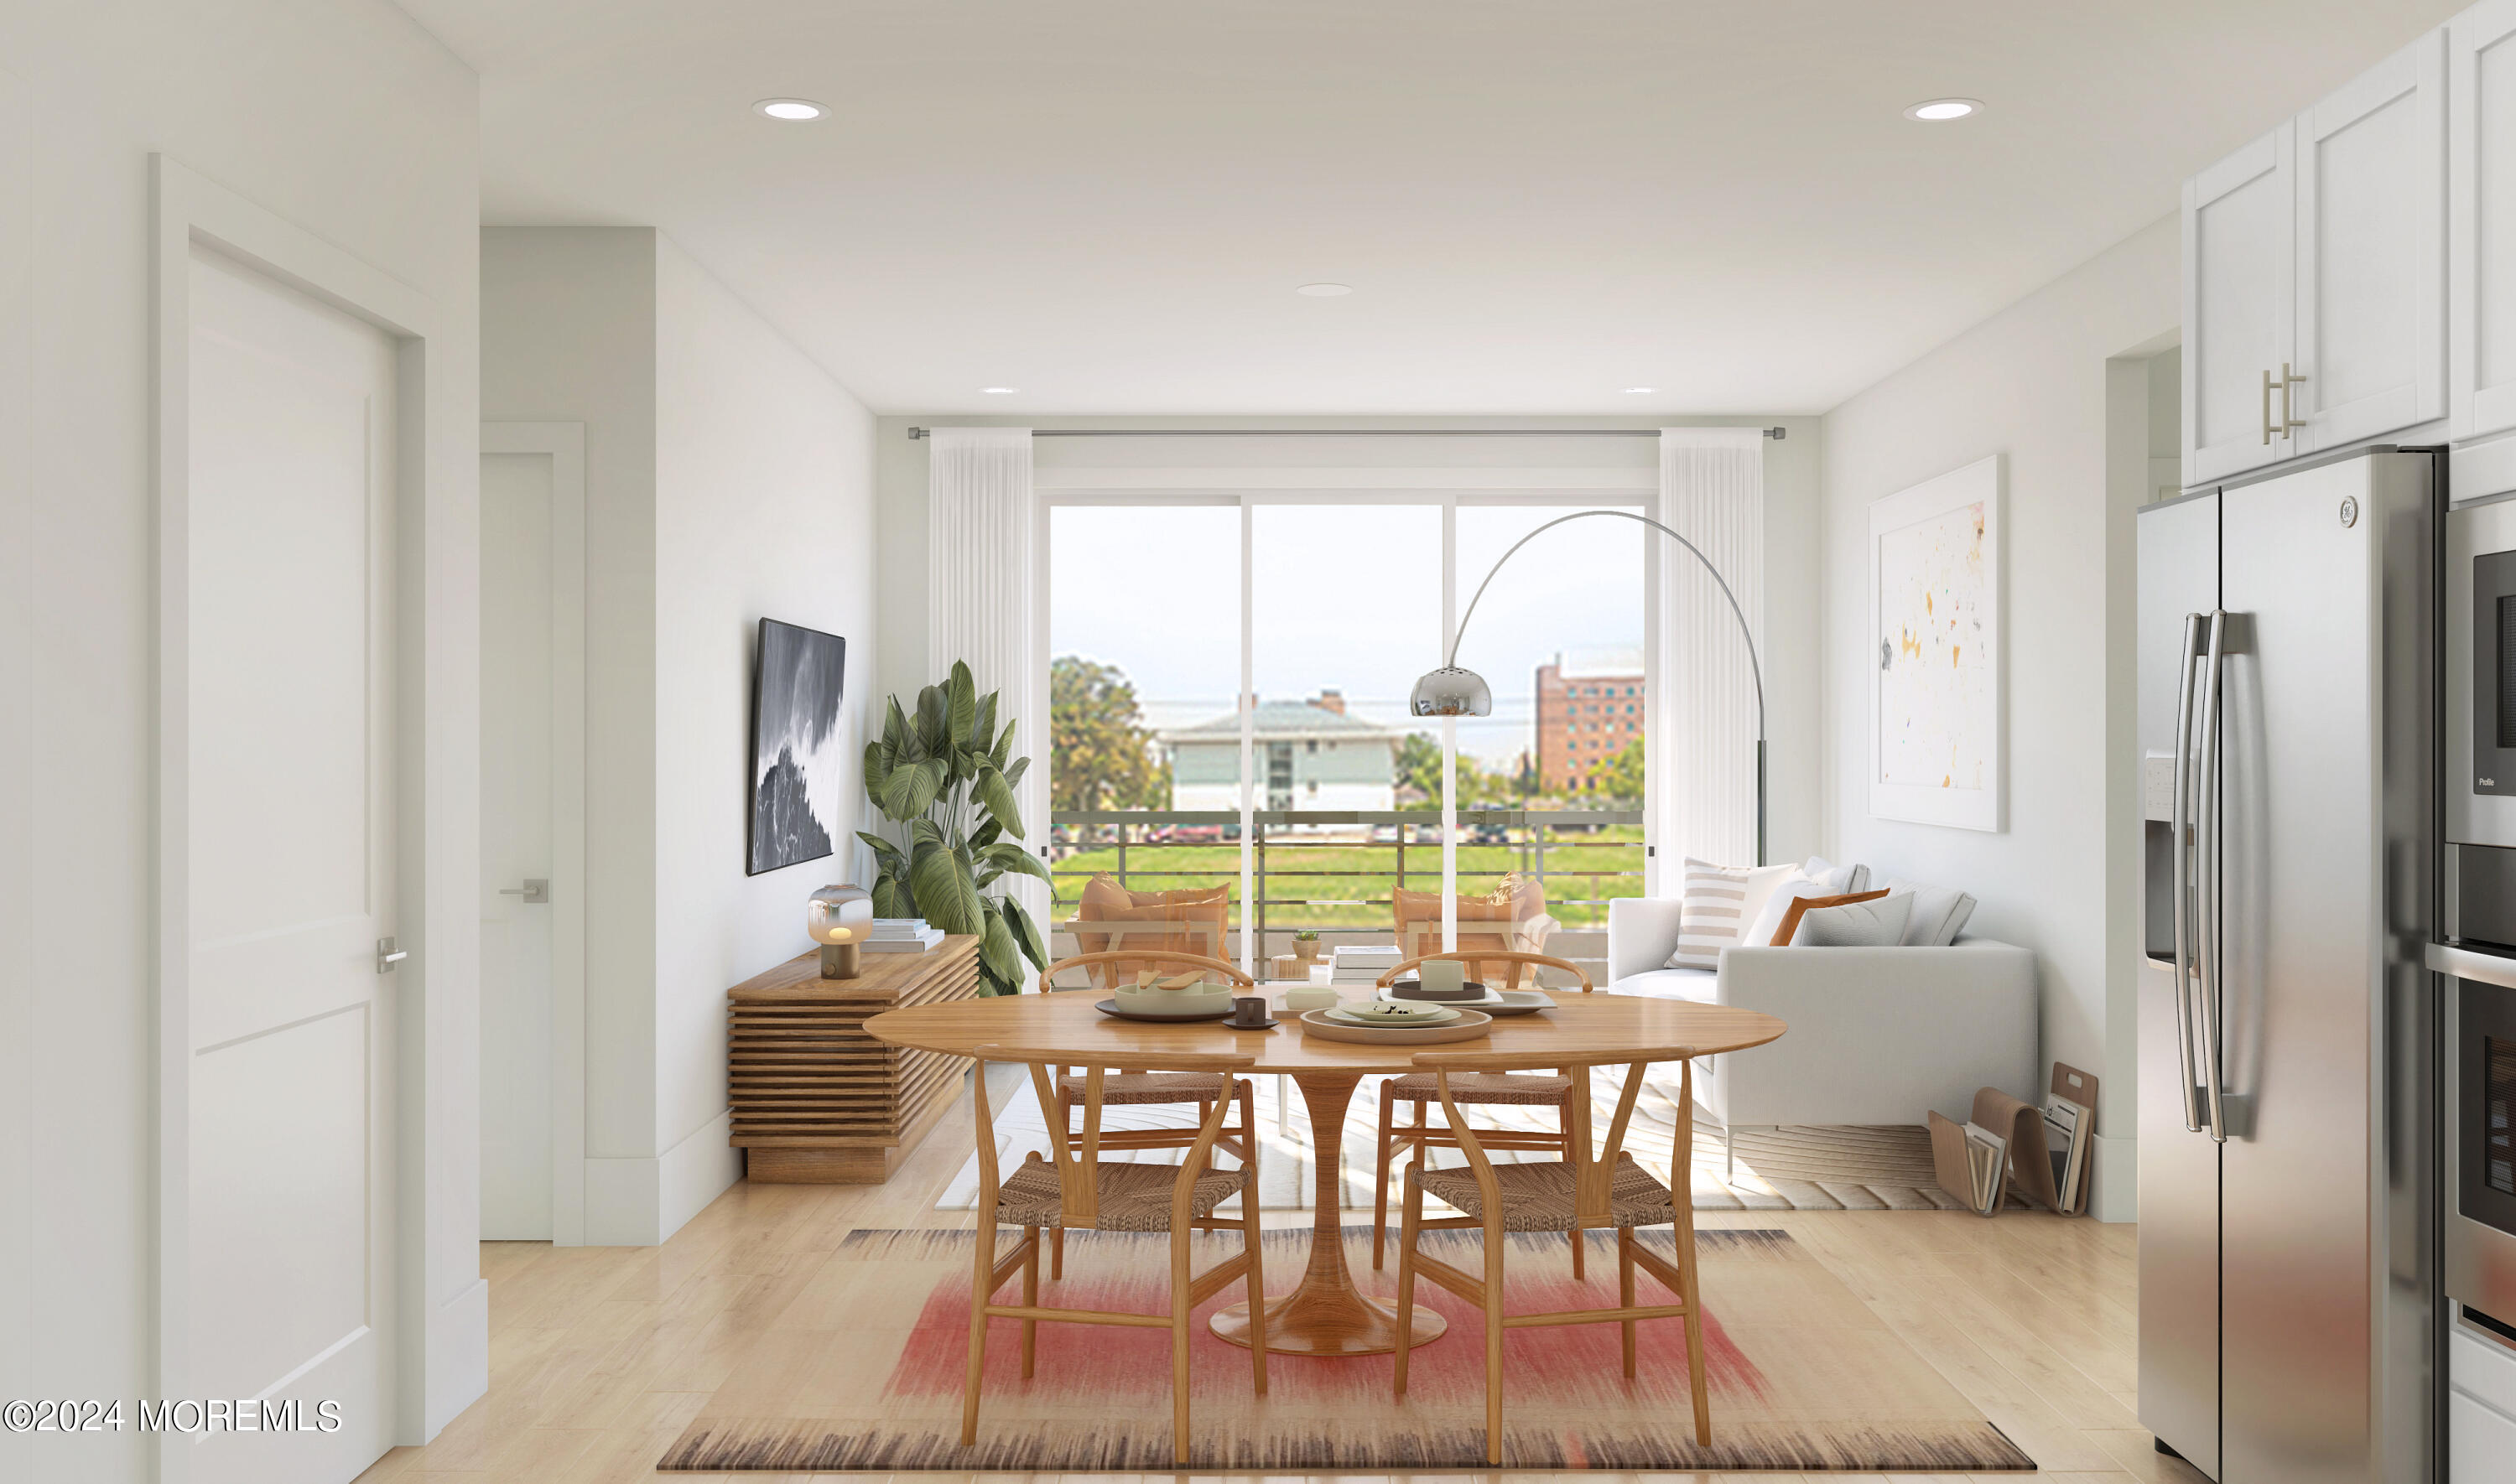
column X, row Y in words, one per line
column 2239, row 225
column 289, row 670
column 2481, row 233
column 515, row 677
column 2370, row 252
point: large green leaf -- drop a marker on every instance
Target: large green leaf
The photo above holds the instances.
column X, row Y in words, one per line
column 934, row 730
column 878, row 771
column 983, row 731
column 985, row 835
column 960, row 705
column 1014, row 774
column 896, row 732
column 891, row 898
column 941, row 882
column 1000, row 953
column 1003, row 749
column 1013, row 857
column 921, row 831
column 1026, row 931
column 885, row 853
column 909, row 790
column 996, row 797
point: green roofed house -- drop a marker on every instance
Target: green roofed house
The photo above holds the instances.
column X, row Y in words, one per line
column 1310, row 754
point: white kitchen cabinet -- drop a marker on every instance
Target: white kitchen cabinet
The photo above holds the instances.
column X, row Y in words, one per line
column 2480, row 1443
column 2239, row 306
column 2369, row 355
column 2480, row 87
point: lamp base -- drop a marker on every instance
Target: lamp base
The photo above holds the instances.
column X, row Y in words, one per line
column 839, row 961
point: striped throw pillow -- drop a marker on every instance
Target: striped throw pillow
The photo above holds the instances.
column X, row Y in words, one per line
column 1712, row 909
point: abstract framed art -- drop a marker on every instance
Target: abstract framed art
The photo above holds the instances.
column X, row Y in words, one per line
column 798, row 778
column 1934, row 651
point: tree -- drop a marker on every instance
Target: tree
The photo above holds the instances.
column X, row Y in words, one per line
column 1621, row 777
column 1419, row 765
column 1103, row 753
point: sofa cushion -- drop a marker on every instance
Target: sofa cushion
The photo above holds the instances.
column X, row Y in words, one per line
column 1938, row 914
column 1700, row 985
column 1719, row 902
column 1836, row 879
column 1873, row 919
column 1785, row 932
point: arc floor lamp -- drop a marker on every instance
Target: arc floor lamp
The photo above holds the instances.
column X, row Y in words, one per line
column 1451, row 692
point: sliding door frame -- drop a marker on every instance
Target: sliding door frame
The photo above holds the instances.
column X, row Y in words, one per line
column 1450, row 502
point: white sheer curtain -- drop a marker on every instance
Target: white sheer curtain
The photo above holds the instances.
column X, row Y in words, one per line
column 1701, row 779
column 982, row 602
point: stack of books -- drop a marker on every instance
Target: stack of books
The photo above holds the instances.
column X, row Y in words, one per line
column 1363, row 965
column 903, row 935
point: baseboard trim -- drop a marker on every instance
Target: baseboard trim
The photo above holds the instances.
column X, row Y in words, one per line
column 641, row 1202
column 695, row 1172
column 458, row 1358
column 2114, row 1186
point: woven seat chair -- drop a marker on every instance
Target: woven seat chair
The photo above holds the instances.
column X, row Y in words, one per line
column 1076, row 1187
column 1141, row 1088
column 1607, row 1189
column 1415, row 1090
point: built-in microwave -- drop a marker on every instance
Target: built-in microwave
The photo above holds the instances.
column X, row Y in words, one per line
column 2481, row 674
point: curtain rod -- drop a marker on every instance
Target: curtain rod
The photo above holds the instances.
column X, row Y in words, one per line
column 1353, row 432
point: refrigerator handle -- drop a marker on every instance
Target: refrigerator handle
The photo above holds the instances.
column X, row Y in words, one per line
column 2181, row 820
column 2212, row 853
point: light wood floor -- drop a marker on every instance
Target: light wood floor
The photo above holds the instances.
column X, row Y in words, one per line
column 600, row 1355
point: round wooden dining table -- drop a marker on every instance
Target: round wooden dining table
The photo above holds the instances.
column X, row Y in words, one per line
column 1325, row 1313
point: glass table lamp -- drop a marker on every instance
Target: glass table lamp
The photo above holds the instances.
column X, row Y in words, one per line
column 840, row 919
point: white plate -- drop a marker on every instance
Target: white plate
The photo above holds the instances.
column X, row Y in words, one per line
column 1387, row 994
column 1348, row 1017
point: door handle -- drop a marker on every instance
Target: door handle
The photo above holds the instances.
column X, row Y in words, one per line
column 387, row 955
column 2181, row 874
column 2289, row 421
column 2267, row 409
column 2208, row 850
column 534, row 890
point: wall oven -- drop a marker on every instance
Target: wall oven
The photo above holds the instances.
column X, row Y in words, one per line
column 2480, row 1110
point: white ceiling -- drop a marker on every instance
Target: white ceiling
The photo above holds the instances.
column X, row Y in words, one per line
column 1109, row 203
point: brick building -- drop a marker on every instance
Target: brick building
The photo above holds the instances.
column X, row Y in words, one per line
column 1589, row 707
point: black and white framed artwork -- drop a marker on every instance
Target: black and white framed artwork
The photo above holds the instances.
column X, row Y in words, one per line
column 797, row 677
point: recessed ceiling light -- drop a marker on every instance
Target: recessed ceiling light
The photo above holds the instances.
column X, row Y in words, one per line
column 1324, row 290
column 999, row 390
column 1940, row 111
column 1640, row 391
column 793, row 110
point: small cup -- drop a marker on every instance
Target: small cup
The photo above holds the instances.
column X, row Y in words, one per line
column 1443, row 976
column 1250, row 1011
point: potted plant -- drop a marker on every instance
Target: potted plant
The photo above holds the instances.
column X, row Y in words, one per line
column 948, row 777
column 1306, row 946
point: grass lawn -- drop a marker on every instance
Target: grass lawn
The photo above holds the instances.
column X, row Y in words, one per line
column 1346, row 884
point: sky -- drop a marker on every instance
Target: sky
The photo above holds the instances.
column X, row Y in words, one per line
column 1347, row 597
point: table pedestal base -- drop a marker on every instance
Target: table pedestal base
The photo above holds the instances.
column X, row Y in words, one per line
column 1304, row 1324
column 1324, row 1314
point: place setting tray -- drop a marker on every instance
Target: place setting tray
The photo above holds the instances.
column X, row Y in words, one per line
column 1486, row 1000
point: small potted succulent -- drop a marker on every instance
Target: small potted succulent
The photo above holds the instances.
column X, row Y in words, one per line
column 1306, row 947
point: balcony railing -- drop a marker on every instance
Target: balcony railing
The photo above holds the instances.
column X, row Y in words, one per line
column 1332, row 872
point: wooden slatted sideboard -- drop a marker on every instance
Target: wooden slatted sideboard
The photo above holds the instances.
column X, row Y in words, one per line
column 817, row 1101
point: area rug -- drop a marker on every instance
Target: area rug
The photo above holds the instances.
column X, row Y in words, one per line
column 1797, row 1168
column 1803, row 1377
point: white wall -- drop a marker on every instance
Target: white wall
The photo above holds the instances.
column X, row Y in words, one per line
column 2030, row 385
column 764, row 509
column 728, row 479
column 1791, row 549
column 567, row 334
column 277, row 102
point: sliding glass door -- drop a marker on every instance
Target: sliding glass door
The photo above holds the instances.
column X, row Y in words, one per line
column 1230, row 673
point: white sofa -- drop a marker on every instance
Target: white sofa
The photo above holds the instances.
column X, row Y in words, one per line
column 1877, row 1035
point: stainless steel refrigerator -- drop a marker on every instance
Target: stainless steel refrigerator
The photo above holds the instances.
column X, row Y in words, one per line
column 2286, row 1041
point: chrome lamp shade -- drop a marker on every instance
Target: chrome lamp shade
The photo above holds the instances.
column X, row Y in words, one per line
column 1450, row 692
